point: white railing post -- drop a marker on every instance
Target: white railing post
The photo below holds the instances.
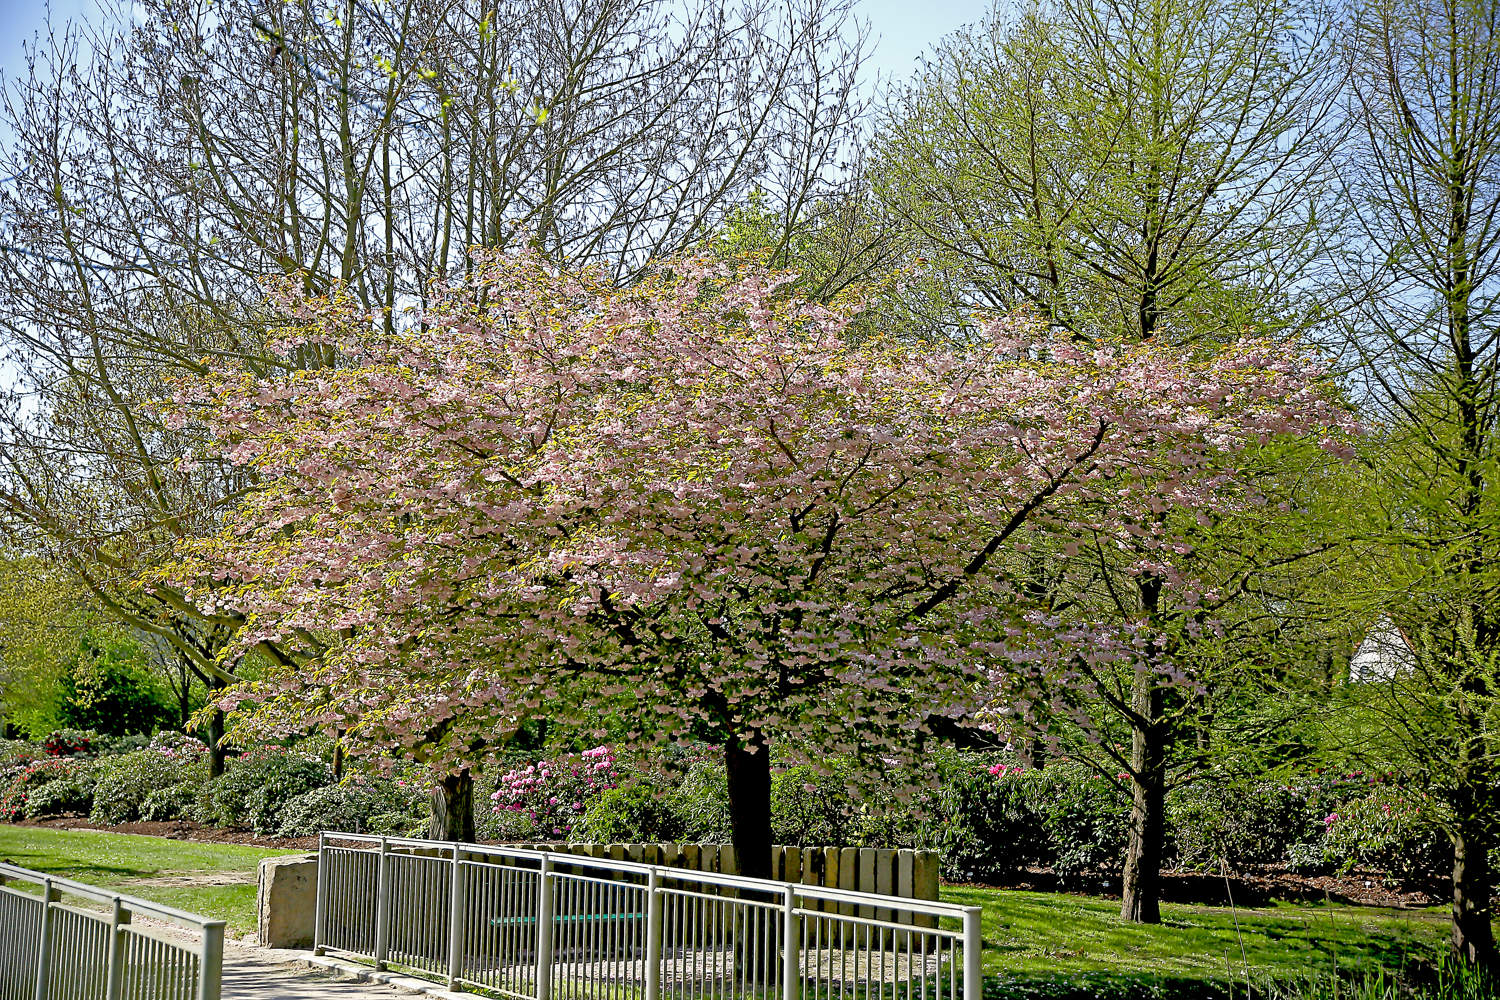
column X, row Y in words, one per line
column 455, row 922
column 382, row 903
column 211, row 961
column 320, row 913
column 973, row 954
column 653, row 934
column 791, row 960
column 44, row 941
column 544, row 931
column 115, row 970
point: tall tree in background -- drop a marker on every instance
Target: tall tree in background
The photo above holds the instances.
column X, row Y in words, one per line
column 156, row 172
column 1424, row 172
column 1132, row 170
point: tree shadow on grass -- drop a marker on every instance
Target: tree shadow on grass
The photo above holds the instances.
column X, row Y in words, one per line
column 1101, row 986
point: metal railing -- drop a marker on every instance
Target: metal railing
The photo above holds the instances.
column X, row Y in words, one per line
column 536, row 925
column 52, row 950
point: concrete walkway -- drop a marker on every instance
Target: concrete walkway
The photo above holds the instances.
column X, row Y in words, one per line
column 267, row 974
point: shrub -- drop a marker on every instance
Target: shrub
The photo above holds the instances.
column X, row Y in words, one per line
column 358, row 806
column 128, row 780
column 632, row 813
column 174, row 802
column 812, row 805
column 1084, row 817
column 1389, row 830
column 47, row 787
column 701, row 800
column 551, row 796
column 69, row 743
column 255, row 789
column 987, row 825
column 1237, row 821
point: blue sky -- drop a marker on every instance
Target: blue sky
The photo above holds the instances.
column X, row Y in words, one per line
column 906, row 28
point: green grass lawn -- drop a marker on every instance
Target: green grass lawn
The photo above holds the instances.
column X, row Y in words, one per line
column 125, row 861
column 1049, row 944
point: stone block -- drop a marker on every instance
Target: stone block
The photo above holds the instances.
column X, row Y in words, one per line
column 286, row 902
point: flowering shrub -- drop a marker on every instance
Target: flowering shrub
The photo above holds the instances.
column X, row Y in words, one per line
column 68, row 743
column 47, row 787
column 554, row 794
column 128, row 780
column 1391, row 830
column 255, row 788
column 1239, row 821
column 358, row 805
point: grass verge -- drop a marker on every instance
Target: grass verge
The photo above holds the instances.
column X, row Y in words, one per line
column 133, row 863
column 1054, row 945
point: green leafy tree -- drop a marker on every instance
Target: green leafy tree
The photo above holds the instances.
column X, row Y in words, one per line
column 1424, row 175
column 1132, row 170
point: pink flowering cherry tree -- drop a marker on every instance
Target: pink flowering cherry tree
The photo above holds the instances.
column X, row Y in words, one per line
column 694, row 498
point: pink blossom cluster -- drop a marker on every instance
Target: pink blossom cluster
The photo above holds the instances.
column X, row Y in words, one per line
column 555, row 793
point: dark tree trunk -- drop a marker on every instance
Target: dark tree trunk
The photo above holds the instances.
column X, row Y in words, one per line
column 1473, row 887
column 338, row 755
column 1140, row 899
column 747, row 764
column 452, row 804
column 216, row 744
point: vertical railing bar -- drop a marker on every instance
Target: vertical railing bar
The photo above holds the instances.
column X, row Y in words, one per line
column 973, row 954
column 320, row 910
column 544, row 932
column 789, row 959
column 382, row 903
column 455, row 921
column 115, row 971
column 44, row 941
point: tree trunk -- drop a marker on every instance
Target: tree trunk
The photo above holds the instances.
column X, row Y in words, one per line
column 747, row 765
column 1473, row 886
column 452, row 804
column 1140, row 900
column 216, row 744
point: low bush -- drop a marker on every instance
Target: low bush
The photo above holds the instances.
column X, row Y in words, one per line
column 255, row 789
column 545, row 800
column 813, row 805
column 1238, row 821
column 1388, row 830
column 987, row 825
column 128, row 780
column 47, row 787
column 173, row 802
column 701, row 800
column 633, row 813
column 360, row 805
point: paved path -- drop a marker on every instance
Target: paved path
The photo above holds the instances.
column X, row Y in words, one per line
column 256, row 974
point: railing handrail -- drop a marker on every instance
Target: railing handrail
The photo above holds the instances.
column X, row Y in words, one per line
column 907, row 904
column 11, row 872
